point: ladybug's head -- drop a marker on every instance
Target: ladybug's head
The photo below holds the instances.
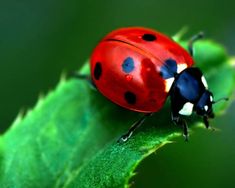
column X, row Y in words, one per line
column 204, row 105
column 190, row 93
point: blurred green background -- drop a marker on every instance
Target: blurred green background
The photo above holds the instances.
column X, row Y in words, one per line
column 41, row 39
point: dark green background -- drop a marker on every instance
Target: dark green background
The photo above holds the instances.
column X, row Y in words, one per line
column 41, row 39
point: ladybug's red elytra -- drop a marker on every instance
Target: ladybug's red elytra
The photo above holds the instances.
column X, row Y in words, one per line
column 138, row 68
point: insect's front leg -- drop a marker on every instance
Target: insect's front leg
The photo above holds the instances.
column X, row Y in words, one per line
column 181, row 122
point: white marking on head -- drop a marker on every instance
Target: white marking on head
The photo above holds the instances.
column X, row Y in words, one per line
column 205, row 107
column 187, row 109
column 181, row 67
column 168, row 84
column 211, row 98
column 204, row 82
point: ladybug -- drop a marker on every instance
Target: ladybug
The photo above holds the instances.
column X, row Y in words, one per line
column 138, row 68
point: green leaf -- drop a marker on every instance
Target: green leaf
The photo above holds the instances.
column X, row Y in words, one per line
column 69, row 138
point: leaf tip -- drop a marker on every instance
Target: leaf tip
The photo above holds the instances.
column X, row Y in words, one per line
column 18, row 118
column 63, row 77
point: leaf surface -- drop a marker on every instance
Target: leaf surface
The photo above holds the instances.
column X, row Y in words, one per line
column 70, row 137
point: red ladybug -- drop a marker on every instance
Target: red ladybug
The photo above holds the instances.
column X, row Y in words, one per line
column 138, row 68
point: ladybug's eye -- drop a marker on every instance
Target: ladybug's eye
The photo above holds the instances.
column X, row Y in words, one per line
column 149, row 37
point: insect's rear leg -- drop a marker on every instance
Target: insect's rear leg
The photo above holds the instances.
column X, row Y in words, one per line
column 134, row 126
column 194, row 38
column 84, row 77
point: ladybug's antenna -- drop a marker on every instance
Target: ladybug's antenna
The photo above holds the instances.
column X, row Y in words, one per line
column 221, row 99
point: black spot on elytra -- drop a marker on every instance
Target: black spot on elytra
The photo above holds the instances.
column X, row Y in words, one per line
column 97, row 70
column 169, row 69
column 149, row 37
column 130, row 97
column 128, row 65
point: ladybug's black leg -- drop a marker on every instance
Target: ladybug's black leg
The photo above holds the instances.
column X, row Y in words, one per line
column 206, row 122
column 181, row 122
column 177, row 104
column 134, row 126
column 194, row 38
column 84, row 77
